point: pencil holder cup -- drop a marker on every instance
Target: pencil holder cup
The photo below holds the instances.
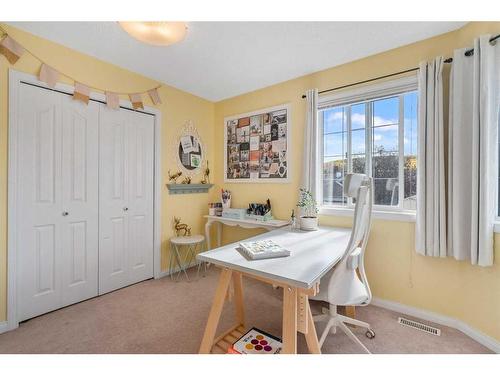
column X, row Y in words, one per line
column 226, row 204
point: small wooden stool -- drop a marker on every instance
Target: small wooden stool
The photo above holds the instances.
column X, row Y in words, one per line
column 192, row 244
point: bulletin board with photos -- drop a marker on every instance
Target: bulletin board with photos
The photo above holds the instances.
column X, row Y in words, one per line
column 257, row 146
column 188, row 150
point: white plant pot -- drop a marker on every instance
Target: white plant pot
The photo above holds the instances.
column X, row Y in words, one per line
column 309, row 223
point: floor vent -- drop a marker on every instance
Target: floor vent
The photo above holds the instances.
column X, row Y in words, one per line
column 420, row 326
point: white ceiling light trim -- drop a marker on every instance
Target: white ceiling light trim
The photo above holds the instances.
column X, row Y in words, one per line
column 156, row 33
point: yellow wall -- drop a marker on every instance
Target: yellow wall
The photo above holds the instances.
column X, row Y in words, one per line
column 445, row 286
column 396, row 272
column 177, row 107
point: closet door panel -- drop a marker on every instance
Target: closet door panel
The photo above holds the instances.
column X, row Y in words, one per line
column 80, row 169
column 113, row 200
column 40, row 201
column 140, row 190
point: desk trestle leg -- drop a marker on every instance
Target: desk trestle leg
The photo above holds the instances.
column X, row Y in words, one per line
column 220, row 344
column 289, row 320
column 297, row 317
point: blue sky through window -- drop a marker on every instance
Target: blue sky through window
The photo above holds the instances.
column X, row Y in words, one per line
column 385, row 132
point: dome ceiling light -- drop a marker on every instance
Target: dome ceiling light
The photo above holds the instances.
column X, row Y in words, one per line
column 156, row 33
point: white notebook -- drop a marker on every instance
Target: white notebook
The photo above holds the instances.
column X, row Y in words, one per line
column 263, row 249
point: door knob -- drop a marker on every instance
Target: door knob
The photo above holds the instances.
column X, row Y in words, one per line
column 125, row 208
column 65, row 213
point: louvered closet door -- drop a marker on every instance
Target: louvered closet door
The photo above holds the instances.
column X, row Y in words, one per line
column 57, row 243
column 126, row 198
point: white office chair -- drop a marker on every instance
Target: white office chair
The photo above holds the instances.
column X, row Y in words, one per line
column 346, row 283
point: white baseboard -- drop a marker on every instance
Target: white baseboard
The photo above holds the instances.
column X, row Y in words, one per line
column 4, row 327
column 473, row 333
column 175, row 270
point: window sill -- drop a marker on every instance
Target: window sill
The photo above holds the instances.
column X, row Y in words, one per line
column 406, row 216
column 496, row 226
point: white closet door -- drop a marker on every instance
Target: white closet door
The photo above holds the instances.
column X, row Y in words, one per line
column 57, row 253
column 126, row 198
column 140, row 196
column 80, row 175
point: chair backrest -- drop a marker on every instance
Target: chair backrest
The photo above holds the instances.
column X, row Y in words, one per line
column 360, row 188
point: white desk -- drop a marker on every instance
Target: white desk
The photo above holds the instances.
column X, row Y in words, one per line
column 243, row 223
column 313, row 254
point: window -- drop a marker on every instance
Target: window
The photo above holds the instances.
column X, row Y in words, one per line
column 371, row 131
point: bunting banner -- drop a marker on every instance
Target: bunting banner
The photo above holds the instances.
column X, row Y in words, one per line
column 112, row 100
column 155, row 97
column 136, row 100
column 81, row 93
column 48, row 75
column 11, row 49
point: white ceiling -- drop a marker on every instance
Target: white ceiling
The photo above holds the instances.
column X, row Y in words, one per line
column 218, row 60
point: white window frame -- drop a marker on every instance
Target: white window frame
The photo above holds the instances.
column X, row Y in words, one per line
column 397, row 87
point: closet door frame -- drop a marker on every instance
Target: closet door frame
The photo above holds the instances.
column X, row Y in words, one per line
column 16, row 79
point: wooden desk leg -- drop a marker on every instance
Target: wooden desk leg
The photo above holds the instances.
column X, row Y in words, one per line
column 215, row 312
column 238, row 297
column 289, row 320
column 350, row 311
column 311, row 335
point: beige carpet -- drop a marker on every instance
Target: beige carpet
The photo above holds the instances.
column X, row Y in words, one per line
column 163, row 316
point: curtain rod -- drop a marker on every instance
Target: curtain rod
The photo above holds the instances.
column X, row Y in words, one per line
column 469, row 52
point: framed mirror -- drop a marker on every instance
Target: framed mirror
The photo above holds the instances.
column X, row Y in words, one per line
column 189, row 150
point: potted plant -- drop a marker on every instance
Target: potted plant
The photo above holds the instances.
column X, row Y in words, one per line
column 309, row 210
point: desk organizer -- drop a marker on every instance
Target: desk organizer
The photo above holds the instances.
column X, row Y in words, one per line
column 234, row 213
column 265, row 217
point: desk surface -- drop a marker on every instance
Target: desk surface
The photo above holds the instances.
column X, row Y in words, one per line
column 269, row 223
column 313, row 254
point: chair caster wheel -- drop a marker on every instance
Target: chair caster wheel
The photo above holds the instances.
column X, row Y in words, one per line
column 370, row 334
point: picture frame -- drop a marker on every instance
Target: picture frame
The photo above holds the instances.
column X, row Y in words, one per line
column 257, row 146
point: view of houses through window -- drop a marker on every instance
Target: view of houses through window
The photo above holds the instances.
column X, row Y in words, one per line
column 377, row 137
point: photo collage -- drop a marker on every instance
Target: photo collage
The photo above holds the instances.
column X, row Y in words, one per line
column 256, row 146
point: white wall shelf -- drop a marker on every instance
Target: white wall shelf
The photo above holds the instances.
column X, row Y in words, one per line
column 188, row 188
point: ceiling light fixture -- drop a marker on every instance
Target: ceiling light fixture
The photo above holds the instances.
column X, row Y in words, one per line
column 157, row 33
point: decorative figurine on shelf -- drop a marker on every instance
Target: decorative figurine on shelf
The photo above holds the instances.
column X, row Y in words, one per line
column 187, row 180
column 178, row 226
column 173, row 177
column 206, row 175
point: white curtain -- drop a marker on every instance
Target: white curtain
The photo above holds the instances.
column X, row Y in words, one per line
column 430, row 229
column 310, row 162
column 473, row 152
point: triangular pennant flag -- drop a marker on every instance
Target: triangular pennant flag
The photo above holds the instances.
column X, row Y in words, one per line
column 136, row 100
column 48, row 75
column 155, row 97
column 11, row 49
column 81, row 93
column 112, row 100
